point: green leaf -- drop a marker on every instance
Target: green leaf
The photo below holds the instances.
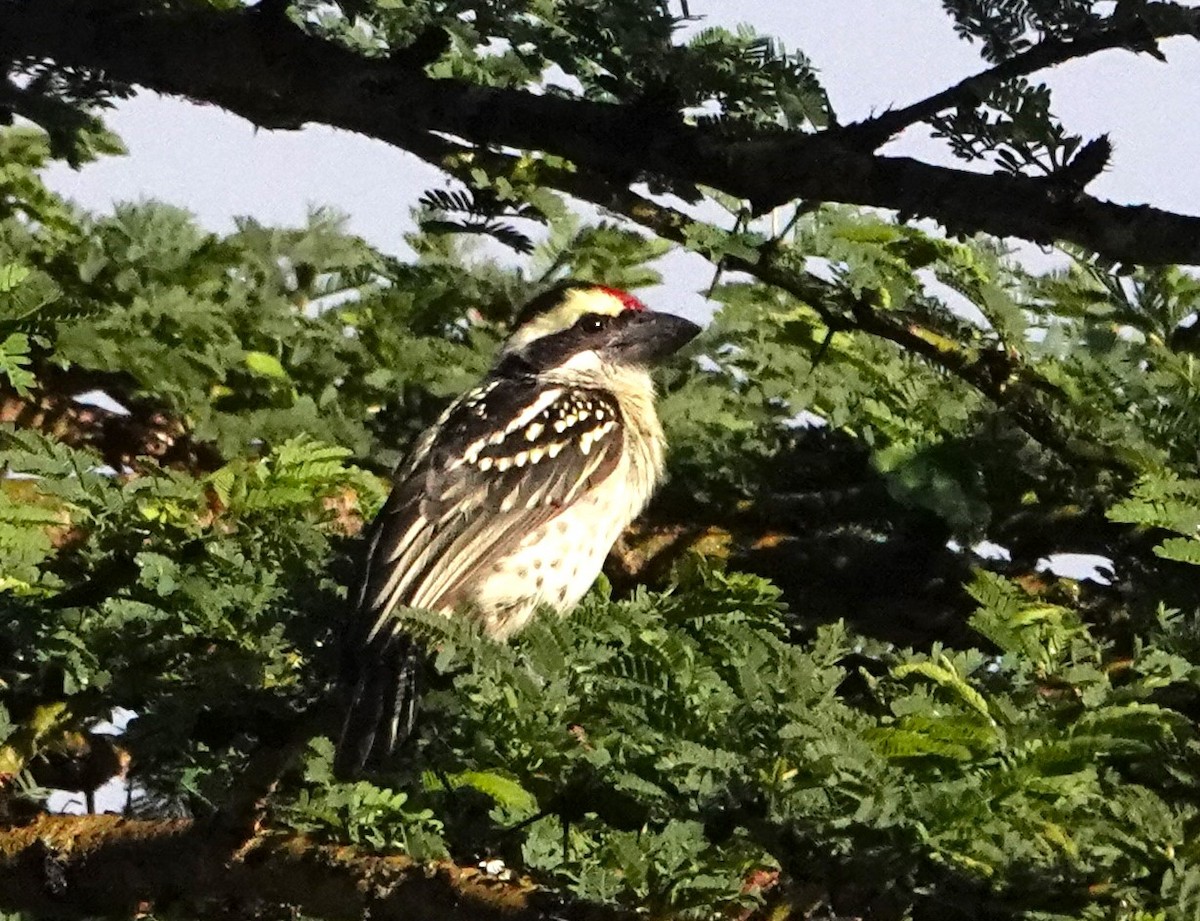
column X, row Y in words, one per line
column 506, row 791
column 945, row 675
column 15, row 362
column 266, row 365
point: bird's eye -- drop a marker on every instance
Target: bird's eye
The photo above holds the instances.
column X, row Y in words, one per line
column 593, row 322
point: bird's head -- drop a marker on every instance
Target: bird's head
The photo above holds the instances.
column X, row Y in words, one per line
column 588, row 328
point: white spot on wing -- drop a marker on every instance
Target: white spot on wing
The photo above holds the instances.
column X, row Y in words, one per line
column 544, row 400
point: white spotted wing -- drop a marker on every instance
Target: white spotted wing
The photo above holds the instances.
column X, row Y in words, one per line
column 505, row 460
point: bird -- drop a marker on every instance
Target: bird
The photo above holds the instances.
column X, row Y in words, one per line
column 511, row 500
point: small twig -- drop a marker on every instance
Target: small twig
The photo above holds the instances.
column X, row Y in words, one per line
column 739, row 225
column 822, row 349
column 240, row 816
column 1130, row 33
column 802, row 208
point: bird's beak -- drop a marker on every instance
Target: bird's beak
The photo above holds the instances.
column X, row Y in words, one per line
column 646, row 337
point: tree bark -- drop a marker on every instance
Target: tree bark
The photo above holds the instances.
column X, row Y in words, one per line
column 87, row 866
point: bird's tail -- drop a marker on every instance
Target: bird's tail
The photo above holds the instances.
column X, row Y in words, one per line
column 380, row 689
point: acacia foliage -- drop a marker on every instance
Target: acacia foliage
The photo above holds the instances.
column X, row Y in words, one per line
column 706, row 743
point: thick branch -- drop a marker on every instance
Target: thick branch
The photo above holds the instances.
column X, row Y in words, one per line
column 85, row 866
column 270, row 72
column 148, row 430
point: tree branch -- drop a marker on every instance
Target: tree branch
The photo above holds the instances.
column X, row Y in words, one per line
column 270, row 72
column 85, row 866
column 1136, row 33
column 998, row 374
column 149, row 429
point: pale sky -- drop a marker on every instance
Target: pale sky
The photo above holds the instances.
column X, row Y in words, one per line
column 871, row 56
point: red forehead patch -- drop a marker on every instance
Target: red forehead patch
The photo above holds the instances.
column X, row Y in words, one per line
column 627, row 300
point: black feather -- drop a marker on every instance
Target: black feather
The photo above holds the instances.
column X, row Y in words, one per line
column 383, row 688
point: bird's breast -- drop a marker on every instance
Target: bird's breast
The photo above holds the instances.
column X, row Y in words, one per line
column 556, row 563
